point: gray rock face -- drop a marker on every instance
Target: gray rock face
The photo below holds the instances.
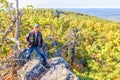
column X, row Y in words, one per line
column 22, row 57
column 57, row 53
column 24, row 54
column 58, row 61
column 31, row 70
column 59, row 70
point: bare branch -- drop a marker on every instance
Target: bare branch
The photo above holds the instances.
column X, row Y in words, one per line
column 21, row 14
column 14, row 40
column 9, row 29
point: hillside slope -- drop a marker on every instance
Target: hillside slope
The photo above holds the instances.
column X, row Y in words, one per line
column 91, row 45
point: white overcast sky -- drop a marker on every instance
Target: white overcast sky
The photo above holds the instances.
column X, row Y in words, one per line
column 70, row 3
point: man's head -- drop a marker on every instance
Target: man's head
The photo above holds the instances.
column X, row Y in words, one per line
column 36, row 27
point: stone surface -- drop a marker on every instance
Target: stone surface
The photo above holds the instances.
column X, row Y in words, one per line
column 59, row 70
column 22, row 57
column 58, row 61
column 31, row 70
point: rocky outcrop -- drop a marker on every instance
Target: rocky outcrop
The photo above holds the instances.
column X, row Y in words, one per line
column 59, row 72
column 58, row 69
column 31, row 70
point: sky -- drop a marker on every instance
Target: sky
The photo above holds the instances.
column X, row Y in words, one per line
column 69, row 3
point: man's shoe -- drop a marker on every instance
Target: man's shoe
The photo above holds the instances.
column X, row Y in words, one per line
column 46, row 65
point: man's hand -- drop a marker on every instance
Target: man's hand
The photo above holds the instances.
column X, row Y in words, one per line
column 41, row 49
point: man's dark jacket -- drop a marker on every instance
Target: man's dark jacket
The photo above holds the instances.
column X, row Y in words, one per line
column 30, row 38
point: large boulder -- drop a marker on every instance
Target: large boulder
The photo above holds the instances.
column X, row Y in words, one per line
column 22, row 57
column 59, row 72
column 31, row 70
column 58, row 69
column 58, row 61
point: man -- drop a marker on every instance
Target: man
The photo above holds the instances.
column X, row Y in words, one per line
column 34, row 40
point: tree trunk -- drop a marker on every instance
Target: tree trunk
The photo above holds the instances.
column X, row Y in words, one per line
column 17, row 21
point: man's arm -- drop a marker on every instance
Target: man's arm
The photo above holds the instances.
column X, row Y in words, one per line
column 41, row 42
column 27, row 38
